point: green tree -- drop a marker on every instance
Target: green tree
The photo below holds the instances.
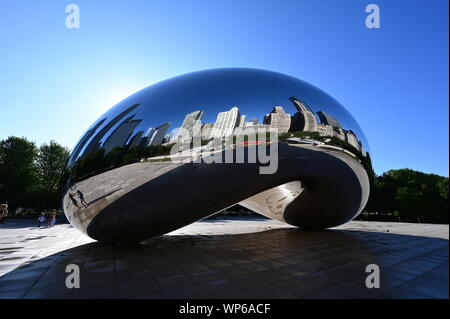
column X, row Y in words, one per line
column 50, row 162
column 410, row 194
column 17, row 171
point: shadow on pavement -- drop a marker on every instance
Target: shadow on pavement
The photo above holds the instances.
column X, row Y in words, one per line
column 278, row 263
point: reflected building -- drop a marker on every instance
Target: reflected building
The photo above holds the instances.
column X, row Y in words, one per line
column 325, row 130
column 261, row 128
column 94, row 144
column 190, row 122
column 328, row 119
column 226, row 122
column 121, row 134
column 76, row 151
column 157, row 135
column 168, row 139
column 304, row 119
column 352, row 139
column 144, row 137
column 242, row 121
column 339, row 133
column 253, row 122
column 278, row 120
column 207, row 130
column 136, row 140
column 361, row 147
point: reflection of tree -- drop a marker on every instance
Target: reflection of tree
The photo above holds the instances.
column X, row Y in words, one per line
column 96, row 162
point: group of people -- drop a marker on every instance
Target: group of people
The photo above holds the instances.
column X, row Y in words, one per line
column 3, row 212
column 48, row 220
column 44, row 219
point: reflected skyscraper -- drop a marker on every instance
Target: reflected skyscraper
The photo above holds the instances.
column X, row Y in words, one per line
column 226, row 122
column 352, row 139
column 121, row 134
column 157, row 135
column 328, row 119
column 278, row 120
column 136, row 140
column 242, row 121
column 186, row 131
column 207, row 130
column 339, row 133
column 84, row 139
column 325, row 130
column 94, row 144
column 304, row 119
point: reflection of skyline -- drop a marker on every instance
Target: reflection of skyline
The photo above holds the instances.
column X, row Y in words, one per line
column 94, row 144
column 226, row 124
column 304, row 120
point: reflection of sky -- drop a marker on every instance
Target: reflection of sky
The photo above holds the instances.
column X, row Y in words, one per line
column 254, row 92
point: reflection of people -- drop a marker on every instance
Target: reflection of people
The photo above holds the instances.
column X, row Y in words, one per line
column 3, row 212
column 74, row 201
column 81, row 198
column 41, row 219
column 52, row 218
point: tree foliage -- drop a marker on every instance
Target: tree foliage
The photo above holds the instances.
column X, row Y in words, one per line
column 411, row 194
column 50, row 162
column 30, row 177
column 17, row 170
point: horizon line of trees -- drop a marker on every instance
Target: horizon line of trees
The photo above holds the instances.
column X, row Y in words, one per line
column 30, row 178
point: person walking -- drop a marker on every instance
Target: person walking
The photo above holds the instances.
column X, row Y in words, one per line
column 52, row 218
column 3, row 212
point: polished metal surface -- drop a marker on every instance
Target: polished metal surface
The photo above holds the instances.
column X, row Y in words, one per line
column 188, row 147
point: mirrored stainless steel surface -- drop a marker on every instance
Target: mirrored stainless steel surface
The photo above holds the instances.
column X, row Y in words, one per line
column 153, row 163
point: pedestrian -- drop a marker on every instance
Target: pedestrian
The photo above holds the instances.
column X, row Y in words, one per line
column 41, row 219
column 3, row 212
column 81, row 198
column 52, row 218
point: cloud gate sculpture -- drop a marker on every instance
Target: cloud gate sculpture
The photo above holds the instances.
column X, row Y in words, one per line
column 193, row 145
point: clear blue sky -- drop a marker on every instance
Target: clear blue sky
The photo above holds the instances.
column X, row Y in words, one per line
column 54, row 81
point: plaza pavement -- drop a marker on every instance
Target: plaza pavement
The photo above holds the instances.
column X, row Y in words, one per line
column 229, row 258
